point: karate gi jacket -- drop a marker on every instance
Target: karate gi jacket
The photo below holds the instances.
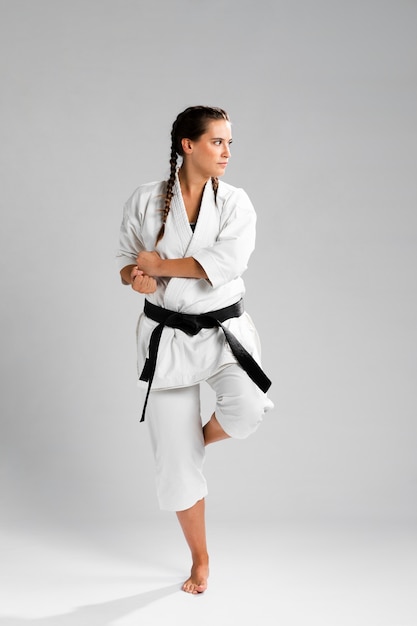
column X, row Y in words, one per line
column 222, row 242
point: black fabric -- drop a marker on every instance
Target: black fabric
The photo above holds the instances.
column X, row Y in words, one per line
column 192, row 324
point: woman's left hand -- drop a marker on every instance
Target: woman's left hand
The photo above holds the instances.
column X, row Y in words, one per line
column 149, row 262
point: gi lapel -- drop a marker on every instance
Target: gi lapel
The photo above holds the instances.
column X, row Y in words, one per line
column 207, row 225
column 184, row 243
column 179, row 219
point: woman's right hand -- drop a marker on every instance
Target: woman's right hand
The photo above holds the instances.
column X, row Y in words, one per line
column 141, row 282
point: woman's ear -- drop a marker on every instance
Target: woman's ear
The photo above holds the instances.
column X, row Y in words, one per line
column 187, row 145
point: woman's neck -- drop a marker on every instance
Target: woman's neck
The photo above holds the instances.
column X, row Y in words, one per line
column 191, row 185
column 192, row 194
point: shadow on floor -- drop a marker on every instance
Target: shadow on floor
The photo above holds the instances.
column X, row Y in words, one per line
column 96, row 614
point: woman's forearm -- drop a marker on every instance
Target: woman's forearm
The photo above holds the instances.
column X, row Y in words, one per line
column 181, row 268
column 126, row 274
column 152, row 265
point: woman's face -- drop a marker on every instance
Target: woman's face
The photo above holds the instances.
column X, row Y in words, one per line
column 209, row 154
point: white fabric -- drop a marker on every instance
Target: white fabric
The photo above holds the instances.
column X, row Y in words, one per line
column 222, row 243
column 240, row 404
column 175, row 427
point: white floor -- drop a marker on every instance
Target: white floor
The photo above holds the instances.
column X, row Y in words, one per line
column 266, row 575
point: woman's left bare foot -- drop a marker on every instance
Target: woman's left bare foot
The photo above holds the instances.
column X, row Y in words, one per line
column 197, row 583
column 213, row 432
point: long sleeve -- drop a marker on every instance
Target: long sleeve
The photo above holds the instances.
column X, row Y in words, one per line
column 227, row 258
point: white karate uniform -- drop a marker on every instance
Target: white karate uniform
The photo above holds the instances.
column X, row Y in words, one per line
column 222, row 242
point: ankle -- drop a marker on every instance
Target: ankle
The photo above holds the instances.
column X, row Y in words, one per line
column 200, row 558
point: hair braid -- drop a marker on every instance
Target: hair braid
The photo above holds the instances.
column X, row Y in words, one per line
column 215, row 184
column 169, row 190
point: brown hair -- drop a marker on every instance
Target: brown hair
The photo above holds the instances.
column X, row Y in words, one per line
column 190, row 124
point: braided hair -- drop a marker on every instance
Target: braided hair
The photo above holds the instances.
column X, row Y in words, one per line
column 190, row 124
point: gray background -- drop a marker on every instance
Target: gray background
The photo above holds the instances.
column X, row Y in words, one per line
column 322, row 96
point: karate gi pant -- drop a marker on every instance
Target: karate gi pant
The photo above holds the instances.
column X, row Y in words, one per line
column 176, row 431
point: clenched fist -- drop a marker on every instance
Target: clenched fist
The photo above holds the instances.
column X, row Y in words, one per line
column 141, row 282
column 149, row 262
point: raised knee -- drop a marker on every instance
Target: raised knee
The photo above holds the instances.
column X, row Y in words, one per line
column 241, row 416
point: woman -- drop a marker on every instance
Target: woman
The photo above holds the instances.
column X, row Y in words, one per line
column 185, row 243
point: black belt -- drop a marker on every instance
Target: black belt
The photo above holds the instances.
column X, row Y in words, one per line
column 192, row 324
